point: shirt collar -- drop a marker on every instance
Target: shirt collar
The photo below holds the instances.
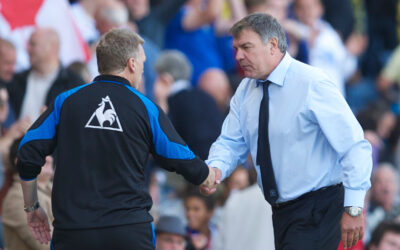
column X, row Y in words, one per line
column 111, row 78
column 277, row 76
column 178, row 86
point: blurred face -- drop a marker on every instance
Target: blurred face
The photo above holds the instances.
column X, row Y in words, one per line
column 138, row 8
column 166, row 241
column 8, row 58
column 252, row 55
column 386, row 125
column 197, row 214
column 38, row 48
column 239, row 180
column 162, row 86
column 390, row 241
column 277, row 9
column 308, row 11
column 384, row 186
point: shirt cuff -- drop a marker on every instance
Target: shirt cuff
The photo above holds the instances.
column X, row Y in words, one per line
column 220, row 165
column 354, row 198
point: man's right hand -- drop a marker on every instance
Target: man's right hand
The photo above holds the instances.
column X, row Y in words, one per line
column 39, row 225
column 209, row 186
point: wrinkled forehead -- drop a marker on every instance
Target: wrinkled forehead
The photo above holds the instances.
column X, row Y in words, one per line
column 246, row 35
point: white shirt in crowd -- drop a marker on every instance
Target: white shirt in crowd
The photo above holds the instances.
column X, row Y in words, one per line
column 36, row 91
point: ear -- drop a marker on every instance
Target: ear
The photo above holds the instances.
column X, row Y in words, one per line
column 167, row 79
column 131, row 65
column 274, row 45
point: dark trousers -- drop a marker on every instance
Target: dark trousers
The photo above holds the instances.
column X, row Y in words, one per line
column 135, row 236
column 311, row 221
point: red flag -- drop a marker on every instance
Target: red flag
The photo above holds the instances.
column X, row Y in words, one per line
column 18, row 19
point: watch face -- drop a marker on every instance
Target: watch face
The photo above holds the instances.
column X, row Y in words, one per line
column 353, row 211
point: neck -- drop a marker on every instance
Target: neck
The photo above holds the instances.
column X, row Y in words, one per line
column 46, row 68
column 205, row 230
column 128, row 76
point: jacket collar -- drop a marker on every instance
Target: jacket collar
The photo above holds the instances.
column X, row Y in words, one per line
column 111, row 78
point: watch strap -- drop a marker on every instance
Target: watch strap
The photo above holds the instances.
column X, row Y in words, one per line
column 33, row 207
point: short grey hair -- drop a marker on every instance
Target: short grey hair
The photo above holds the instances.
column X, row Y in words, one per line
column 115, row 48
column 175, row 63
column 264, row 25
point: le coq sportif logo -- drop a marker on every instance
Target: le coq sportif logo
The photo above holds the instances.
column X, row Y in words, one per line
column 105, row 117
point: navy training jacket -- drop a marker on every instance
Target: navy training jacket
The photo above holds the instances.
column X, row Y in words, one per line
column 104, row 132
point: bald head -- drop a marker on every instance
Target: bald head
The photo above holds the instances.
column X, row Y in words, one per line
column 8, row 58
column 111, row 14
column 215, row 82
column 43, row 47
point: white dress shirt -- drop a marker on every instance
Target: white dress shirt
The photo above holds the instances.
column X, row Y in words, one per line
column 315, row 139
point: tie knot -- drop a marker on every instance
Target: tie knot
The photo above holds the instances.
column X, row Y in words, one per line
column 265, row 83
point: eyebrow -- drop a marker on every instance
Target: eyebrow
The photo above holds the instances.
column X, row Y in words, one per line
column 245, row 44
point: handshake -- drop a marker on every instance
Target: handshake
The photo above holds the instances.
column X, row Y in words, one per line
column 209, row 186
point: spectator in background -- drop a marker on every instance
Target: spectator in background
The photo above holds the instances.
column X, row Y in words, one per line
column 238, row 180
column 199, row 211
column 378, row 121
column 194, row 23
column 170, row 233
column 382, row 205
column 8, row 58
column 193, row 113
column 81, row 69
column 245, row 222
column 339, row 14
column 6, row 139
column 115, row 14
column 152, row 21
column 386, row 236
column 17, row 235
column 7, row 69
column 109, row 14
column 326, row 48
column 382, row 23
column 389, row 79
column 17, row 130
column 38, row 86
column 216, row 83
column 84, row 12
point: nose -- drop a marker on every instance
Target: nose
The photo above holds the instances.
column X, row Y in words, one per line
column 239, row 55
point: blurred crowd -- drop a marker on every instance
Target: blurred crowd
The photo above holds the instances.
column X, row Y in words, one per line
column 191, row 73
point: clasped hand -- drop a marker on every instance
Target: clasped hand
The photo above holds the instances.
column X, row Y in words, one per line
column 209, row 186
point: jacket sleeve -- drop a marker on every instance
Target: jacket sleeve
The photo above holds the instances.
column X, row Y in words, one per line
column 37, row 143
column 41, row 138
column 171, row 152
column 168, row 148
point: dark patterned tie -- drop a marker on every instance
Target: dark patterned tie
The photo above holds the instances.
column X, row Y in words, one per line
column 263, row 149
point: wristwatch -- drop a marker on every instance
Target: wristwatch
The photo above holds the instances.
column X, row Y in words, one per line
column 32, row 208
column 353, row 211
